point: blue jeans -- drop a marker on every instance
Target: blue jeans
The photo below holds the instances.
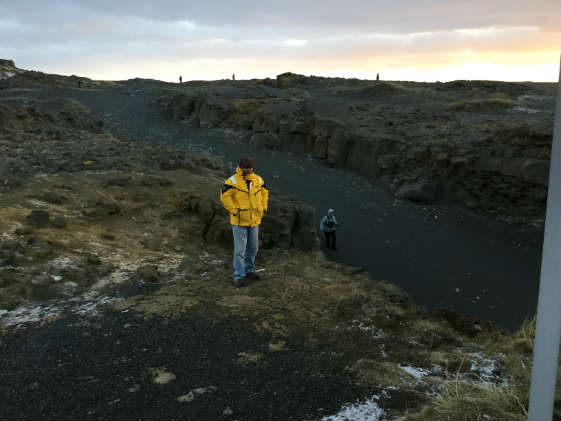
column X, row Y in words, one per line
column 245, row 249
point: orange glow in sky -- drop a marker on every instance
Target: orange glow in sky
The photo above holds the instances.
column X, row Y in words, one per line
column 436, row 40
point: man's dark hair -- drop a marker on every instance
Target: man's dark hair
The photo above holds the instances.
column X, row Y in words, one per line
column 246, row 162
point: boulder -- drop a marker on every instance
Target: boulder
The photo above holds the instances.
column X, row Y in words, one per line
column 101, row 208
column 304, row 235
column 24, row 230
column 52, row 197
column 37, row 247
column 38, row 218
column 536, row 171
column 421, row 192
column 59, row 222
column 147, row 273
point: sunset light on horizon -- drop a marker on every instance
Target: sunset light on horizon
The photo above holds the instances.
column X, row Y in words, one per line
column 509, row 41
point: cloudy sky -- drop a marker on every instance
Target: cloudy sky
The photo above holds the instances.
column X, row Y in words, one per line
column 423, row 40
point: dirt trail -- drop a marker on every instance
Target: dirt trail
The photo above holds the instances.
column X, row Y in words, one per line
column 443, row 256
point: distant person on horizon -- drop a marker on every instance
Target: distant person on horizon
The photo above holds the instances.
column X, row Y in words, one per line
column 180, row 80
column 246, row 198
column 233, row 76
column 328, row 225
column 377, row 76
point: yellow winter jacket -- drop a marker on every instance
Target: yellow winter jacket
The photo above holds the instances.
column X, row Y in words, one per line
column 245, row 204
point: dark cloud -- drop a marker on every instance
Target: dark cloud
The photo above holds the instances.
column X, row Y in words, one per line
column 395, row 15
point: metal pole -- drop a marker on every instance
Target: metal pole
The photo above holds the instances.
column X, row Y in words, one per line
column 548, row 324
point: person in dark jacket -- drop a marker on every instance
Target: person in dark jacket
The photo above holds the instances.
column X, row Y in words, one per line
column 328, row 225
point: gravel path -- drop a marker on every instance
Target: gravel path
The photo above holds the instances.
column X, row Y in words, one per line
column 124, row 367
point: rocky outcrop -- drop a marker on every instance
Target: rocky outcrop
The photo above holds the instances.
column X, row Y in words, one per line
column 8, row 69
column 289, row 224
column 76, row 181
column 490, row 163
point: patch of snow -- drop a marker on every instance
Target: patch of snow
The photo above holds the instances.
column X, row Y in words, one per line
column 483, row 365
column 116, row 277
column 91, row 308
column 533, row 98
column 30, row 314
column 418, row 373
column 525, row 110
column 366, row 411
column 86, row 305
column 437, row 368
column 62, row 261
column 56, row 278
column 376, row 333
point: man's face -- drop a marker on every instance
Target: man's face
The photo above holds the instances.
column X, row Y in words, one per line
column 247, row 171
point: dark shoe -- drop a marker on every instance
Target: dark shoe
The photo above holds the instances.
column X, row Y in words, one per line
column 239, row 283
column 253, row 276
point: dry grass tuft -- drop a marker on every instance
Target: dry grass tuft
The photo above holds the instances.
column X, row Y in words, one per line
column 461, row 400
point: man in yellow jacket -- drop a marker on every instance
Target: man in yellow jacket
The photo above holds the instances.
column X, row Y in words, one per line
column 245, row 196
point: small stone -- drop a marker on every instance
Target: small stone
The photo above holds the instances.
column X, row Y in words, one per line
column 24, row 230
column 12, row 182
column 189, row 397
column 277, row 346
column 227, row 411
column 163, row 377
column 38, row 218
column 38, row 247
column 92, row 259
column 148, row 273
column 12, row 245
column 36, row 292
column 51, row 197
column 42, row 280
column 59, row 222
